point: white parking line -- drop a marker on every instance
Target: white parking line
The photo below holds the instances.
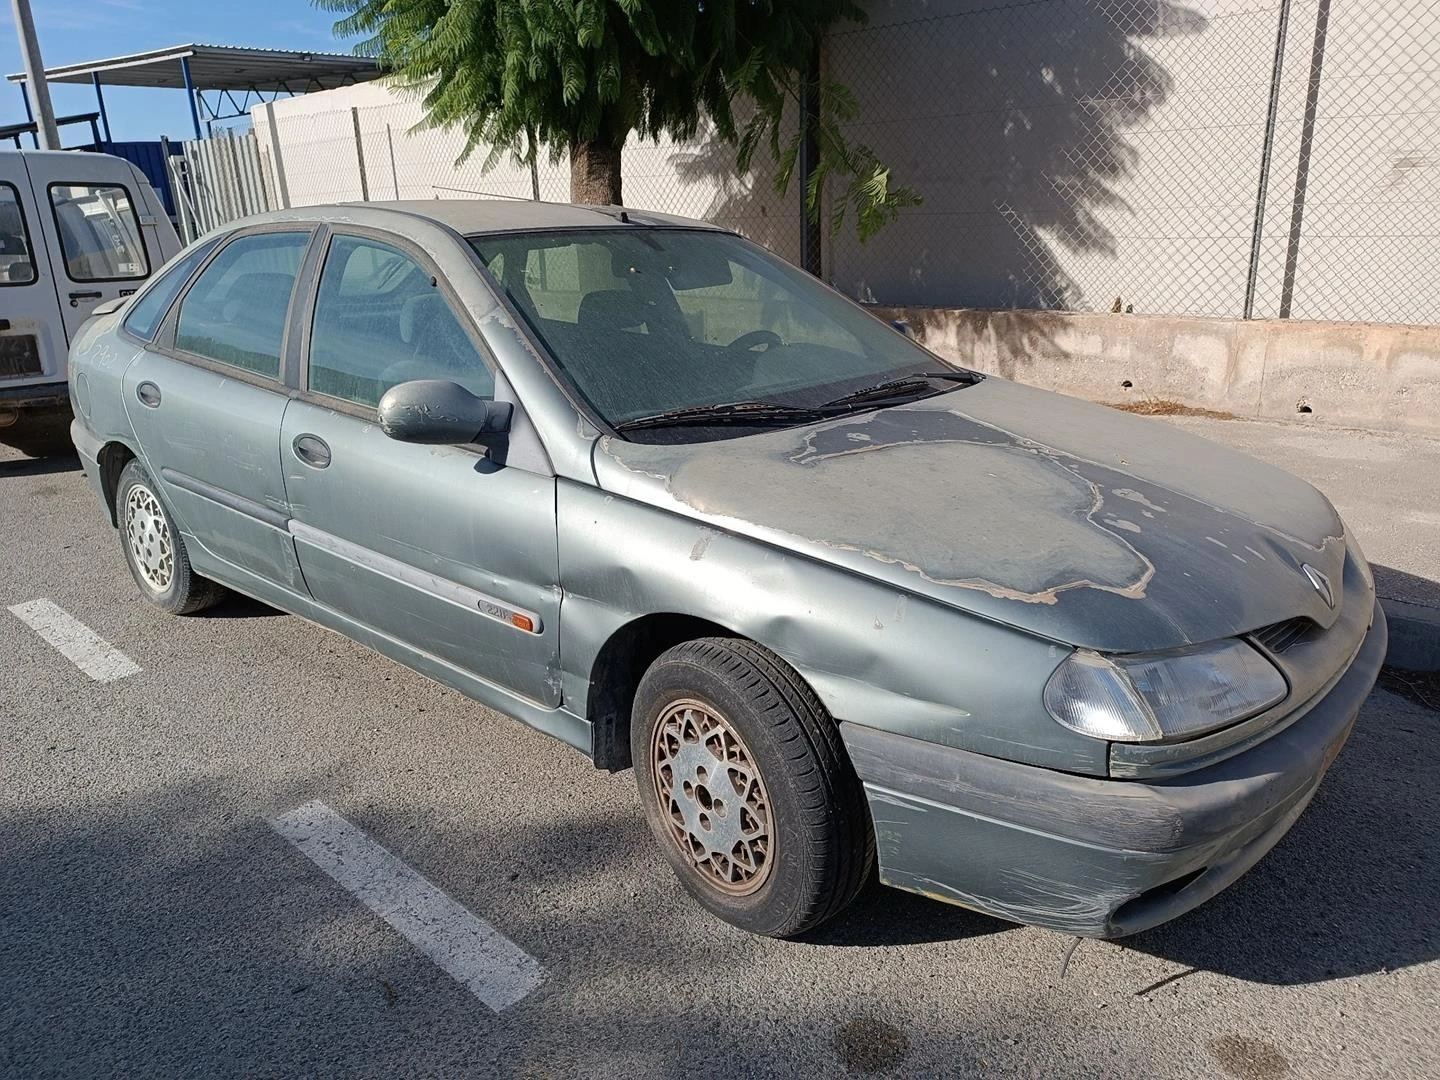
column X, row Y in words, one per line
column 465, row 946
column 75, row 641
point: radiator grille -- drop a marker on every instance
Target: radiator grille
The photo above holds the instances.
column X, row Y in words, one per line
column 1282, row 635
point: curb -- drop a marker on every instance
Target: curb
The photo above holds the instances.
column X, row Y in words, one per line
column 1414, row 635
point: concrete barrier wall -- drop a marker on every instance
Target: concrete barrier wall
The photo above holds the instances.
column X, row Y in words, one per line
column 1361, row 374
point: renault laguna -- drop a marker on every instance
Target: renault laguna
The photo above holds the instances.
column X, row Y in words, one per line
column 843, row 605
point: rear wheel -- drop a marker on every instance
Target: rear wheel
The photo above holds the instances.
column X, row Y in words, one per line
column 747, row 787
column 155, row 550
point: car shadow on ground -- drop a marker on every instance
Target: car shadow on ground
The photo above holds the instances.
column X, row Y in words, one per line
column 46, row 466
column 237, row 606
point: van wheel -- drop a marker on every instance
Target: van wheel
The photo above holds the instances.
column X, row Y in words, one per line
column 154, row 549
column 747, row 788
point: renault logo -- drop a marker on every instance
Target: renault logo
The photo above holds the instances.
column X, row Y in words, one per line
column 1321, row 583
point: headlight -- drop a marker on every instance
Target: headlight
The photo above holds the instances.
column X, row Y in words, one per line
column 1160, row 697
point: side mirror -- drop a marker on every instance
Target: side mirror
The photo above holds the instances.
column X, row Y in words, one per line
column 438, row 412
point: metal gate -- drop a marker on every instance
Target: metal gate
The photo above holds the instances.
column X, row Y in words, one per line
column 218, row 180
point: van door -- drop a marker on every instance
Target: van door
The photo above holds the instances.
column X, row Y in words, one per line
column 102, row 226
column 32, row 337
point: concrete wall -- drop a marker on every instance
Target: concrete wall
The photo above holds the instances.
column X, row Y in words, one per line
column 1360, row 374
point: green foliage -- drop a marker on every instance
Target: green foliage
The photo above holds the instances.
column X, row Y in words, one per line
column 515, row 75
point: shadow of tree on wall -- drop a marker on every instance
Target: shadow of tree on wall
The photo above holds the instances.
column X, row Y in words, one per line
column 1014, row 121
column 745, row 202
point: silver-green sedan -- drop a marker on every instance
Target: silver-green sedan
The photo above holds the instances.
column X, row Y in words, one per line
column 643, row 486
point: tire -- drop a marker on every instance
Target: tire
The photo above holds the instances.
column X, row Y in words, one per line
column 789, row 808
column 154, row 549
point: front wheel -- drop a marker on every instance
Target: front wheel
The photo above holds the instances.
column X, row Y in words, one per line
column 747, row 788
column 154, row 549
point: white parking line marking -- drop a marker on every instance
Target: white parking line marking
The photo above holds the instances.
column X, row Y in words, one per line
column 465, row 946
column 75, row 641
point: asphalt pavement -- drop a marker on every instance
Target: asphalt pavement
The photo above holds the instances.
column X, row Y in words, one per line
column 153, row 922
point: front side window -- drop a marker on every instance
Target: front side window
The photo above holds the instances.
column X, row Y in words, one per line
column 147, row 310
column 644, row 322
column 380, row 320
column 236, row 310
column 99, row 232
column 17, row 265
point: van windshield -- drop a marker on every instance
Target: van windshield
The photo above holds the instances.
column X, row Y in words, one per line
column 667, row 331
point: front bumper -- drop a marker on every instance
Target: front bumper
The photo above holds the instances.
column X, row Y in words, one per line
column 1081, row 855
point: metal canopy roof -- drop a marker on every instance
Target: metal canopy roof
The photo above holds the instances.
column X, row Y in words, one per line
column 220, row 67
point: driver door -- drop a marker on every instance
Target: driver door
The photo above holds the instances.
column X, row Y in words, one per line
column 440, row 547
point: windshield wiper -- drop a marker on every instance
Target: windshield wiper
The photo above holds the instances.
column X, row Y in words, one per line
column 758, row 413
column 764, row 413
column 904, row 386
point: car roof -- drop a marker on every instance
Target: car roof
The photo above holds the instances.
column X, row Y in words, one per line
column 477, row 216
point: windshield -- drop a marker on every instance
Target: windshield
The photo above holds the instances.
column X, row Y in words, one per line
column 644, row 322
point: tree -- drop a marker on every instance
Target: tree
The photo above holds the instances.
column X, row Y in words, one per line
column 579, row 76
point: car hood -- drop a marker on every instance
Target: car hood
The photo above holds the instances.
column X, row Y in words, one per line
column 1073, row 521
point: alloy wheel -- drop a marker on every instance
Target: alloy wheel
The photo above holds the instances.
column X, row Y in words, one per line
column 149, row 537
column 712, row 797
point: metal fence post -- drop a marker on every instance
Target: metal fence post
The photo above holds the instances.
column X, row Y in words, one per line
column 809, row 160
column 1307, row 146
column 360, row 155
column 1266, row 154
column 277, row 162
column 394, row 173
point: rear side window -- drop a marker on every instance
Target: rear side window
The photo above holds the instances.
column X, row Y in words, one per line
column 380, row 320
column 17, row 267
column 236, row 310
column 99, row 232
column 147, row 310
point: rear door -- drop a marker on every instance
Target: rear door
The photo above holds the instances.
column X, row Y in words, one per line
column 206, row 400
column 32, row 335
column 103, row 237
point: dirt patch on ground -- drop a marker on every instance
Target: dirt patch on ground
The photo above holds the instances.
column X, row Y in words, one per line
column 871, row 1046
column 1249, row 1059
column 1166, row 407
column 1421, row 687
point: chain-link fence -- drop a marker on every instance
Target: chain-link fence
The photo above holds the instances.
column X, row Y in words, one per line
column 1233, row 158
column 1244, row 158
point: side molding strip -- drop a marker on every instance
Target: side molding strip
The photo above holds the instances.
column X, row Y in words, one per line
column 227, row 499
column 415, row 578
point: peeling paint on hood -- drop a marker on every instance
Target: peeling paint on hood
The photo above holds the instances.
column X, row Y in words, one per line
column 1077, row 522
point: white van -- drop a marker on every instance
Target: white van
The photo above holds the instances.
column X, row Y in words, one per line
column 77, row 230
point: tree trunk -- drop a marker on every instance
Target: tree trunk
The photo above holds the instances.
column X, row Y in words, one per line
column 595, row 173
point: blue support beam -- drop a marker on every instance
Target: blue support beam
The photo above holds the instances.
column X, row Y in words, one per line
column 190, row 92
column 29, row 115
column 100, row 103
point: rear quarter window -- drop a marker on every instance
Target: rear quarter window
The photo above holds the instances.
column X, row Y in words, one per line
column 148, row 310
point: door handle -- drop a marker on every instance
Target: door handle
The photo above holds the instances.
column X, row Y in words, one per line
column 312, row 450
column 76, row 297
column 149, row 395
